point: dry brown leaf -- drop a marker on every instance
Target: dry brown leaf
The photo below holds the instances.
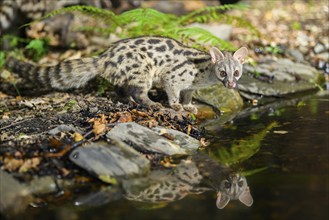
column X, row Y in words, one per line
column 203, row 142
column 124, row 117
column 12, row 164
column 30, row 163
column 139, row 113
column 103, row 119
column 98, row 128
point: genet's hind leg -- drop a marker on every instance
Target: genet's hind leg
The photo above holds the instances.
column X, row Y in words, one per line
column 140, row 95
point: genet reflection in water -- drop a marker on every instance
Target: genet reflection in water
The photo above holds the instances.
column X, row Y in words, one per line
column 193, row 175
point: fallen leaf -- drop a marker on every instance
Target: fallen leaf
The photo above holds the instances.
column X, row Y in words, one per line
column 77, row 137
column 139, row 113
column 98, row 128
column 12, row 164
column 124, row 117
column 29, row 163
column 203, row 142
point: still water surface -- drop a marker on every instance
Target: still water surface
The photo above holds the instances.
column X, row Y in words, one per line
column 293, row 183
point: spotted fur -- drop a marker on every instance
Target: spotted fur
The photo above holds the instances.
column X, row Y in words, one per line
column 136, row 65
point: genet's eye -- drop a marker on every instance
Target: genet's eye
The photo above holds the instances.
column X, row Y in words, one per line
column 240, row 183
column 236, row 73
column 228, row 185
column 222, row 74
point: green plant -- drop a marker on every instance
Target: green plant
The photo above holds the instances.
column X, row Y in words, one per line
column 37, row 48
column 148, row 21
column 273, row 49
column 34, row 48
column 2, row 59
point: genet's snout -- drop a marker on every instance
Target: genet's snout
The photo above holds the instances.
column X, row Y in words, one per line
column 230, row 85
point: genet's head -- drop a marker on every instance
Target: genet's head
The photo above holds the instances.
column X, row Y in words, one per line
column 228, row 68
column 235, row 187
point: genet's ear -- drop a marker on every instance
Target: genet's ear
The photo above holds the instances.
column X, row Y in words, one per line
column 241, row 54
column 216, row 55
column 246, row 197
column 222, row 200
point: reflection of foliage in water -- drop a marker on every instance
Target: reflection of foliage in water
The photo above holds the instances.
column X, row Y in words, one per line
column 242, row 150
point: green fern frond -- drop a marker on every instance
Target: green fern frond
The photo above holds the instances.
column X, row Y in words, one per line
column 146, row 21
column 145, row 16
column 211, row 10
column 199, row 37
column 105, row 15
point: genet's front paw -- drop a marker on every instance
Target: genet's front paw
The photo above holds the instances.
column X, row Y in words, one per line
column 177, row 107
column 191, row 108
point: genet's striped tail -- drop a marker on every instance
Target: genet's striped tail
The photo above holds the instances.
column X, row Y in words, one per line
column 63, row 76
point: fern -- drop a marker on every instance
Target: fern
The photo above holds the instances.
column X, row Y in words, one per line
column 151, row 22
column 206, row 13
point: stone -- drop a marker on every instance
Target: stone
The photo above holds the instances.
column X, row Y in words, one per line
column 296, row 54
column 227, row 100
column 110, row 161
column 14, row 196
column 144, row 139
column 183, row 140
column 277, row 78
column 319, row 48
column 61, row 128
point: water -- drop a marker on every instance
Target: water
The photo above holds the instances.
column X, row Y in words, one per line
column 292, row 158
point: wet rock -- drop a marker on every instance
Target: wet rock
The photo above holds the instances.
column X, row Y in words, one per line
column 48, row 184
column 108, row 161
column 219, row 97
column 183, row 140
column 14, row 196
column 278, row 78
column 43, row 185
column 144, row 139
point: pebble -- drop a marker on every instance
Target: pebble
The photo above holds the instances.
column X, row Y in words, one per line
column 319, row 48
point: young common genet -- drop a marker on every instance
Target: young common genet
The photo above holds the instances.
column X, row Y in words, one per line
column 136, row 65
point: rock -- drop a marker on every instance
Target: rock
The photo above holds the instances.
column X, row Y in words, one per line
column 323, row 56
column 227, row 100
column 61, row 128
column 14, row 196
column 43, row 185
column 296, row 54
column 183, row 140
column 319, row 48
column 144, row 139
column 278, row 78
column 110, row 161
